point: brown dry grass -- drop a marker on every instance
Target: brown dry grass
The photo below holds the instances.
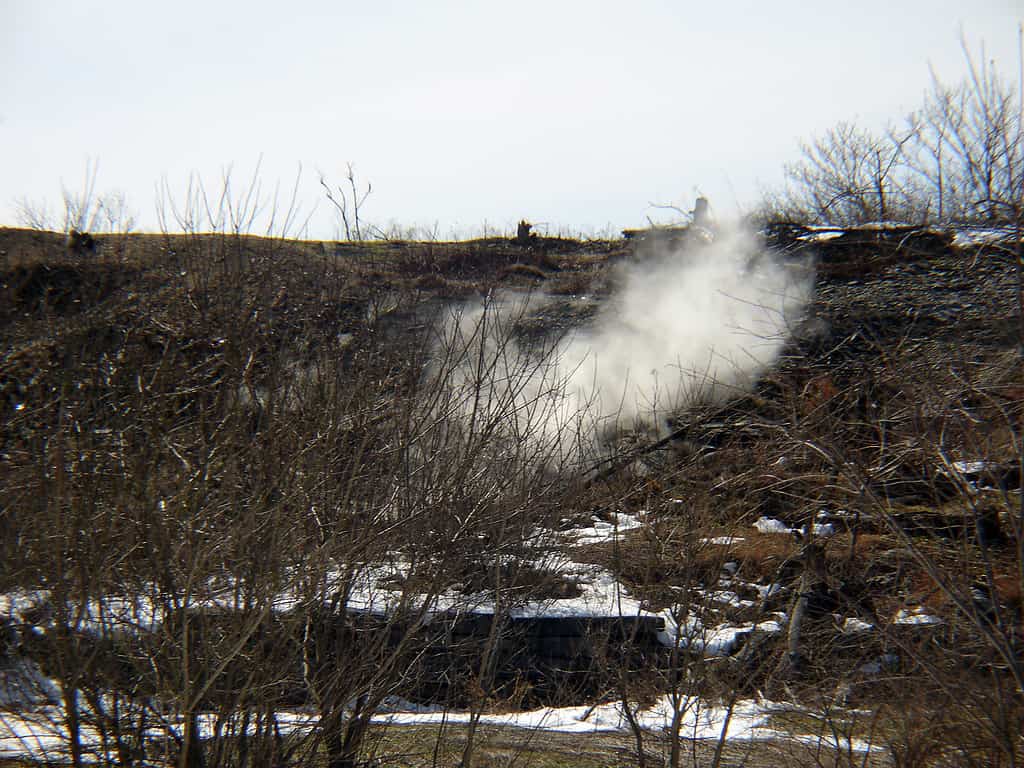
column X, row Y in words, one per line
column 728, row 475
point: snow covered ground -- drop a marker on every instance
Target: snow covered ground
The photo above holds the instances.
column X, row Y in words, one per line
column 31, row 715
column 971, row 237
column 963, row 237
column 38, row 734
column 603, row 531
column 748, row 720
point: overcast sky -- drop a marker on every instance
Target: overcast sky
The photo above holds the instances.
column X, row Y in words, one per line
column 462, row 114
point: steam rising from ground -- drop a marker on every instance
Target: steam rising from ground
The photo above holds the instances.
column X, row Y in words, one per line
column 685, row 326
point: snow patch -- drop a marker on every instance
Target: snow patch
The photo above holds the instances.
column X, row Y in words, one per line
column 915, row 616
column 852, row 626
column 970, row 467
column 723, row 541
column 23, row 684
column 603, row 531
column 601, row 596
column 971, row 237
column 771, row 525
column 821, row 236
column 40, row 735
column 717, row 641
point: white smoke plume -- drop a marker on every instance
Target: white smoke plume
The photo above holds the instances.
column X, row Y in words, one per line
column 684, row 326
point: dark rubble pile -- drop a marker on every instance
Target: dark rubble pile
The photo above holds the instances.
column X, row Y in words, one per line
column 911, row 287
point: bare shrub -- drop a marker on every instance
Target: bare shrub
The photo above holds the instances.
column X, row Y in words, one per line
column 957, row 159
column 234, row 508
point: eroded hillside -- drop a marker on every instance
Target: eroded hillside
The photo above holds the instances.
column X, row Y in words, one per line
column 273, row 463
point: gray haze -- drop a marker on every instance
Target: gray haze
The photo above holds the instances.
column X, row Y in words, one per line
column 683, row 327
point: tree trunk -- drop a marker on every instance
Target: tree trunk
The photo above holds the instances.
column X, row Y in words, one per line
column 812, row 559
column 73, row 722
column 192, row 749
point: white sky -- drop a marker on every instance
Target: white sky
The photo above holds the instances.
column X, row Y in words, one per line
column 462, row 114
